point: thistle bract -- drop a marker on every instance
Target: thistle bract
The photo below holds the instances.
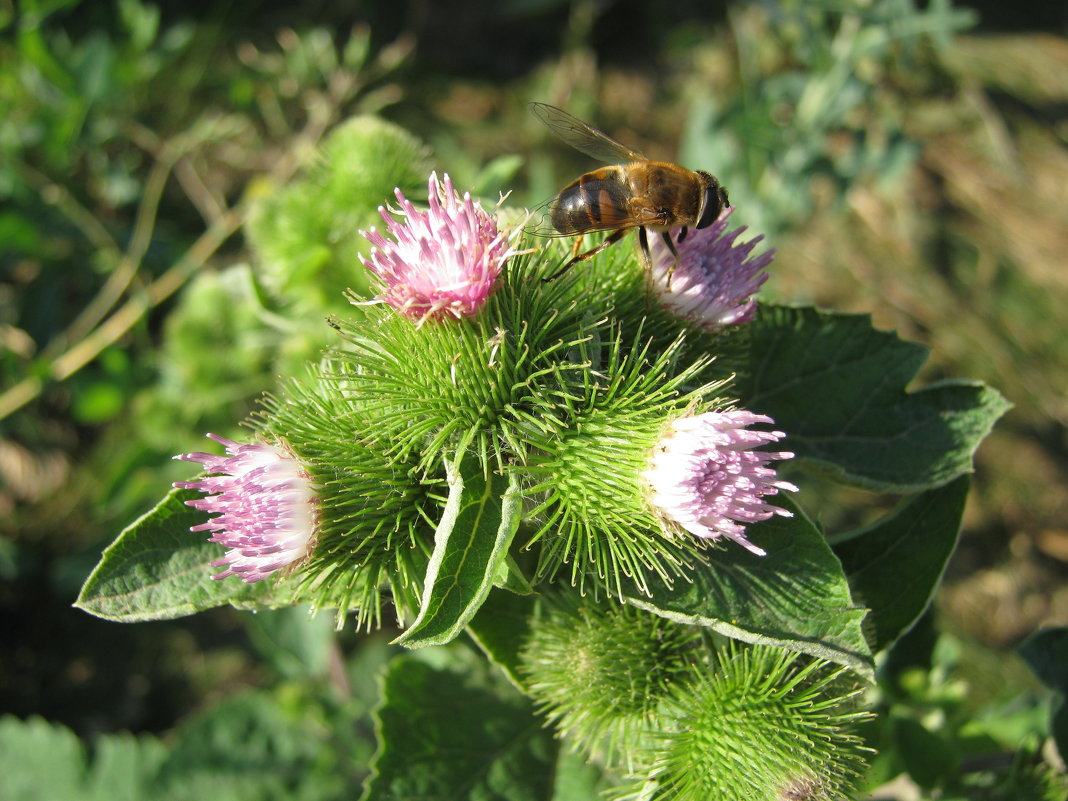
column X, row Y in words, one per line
column 759, row 723
column 265, row 507
column 442, row 261
column 599, row 672
column 706, row 477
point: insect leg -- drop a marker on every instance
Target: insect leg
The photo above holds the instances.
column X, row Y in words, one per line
column 643, row 243
column 614, row 237
column 674, row 251
column 577, row 246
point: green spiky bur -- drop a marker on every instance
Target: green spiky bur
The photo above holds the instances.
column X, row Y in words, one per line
column 595, row 440
column 600, row 671
column 541, row 383
column 375, row 514
column 473, row 379
column 757, row 723
column 533, row 392
column 686, row 719
column 305, row 235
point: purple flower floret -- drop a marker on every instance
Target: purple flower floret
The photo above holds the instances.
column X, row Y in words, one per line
column 713, row 284
column 442, row 261
column 705, row 476
column 265, row 505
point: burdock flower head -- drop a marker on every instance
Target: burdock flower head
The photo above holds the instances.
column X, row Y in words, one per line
column 266, row 507
column 714, row 281
column 705, row 476
column 443, row 261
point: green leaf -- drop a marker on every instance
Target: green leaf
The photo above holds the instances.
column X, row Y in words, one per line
column 497, row 176
column 895, row 565
column 500, row 629
column 141, row 20
column 297, row 641
column 1046, row 653
column 124, row 767
column 39, row 760
column 42, row 760
column 255, row 745
column 157, row 569
column 837, row 387
column 796, row 597
column 470, row 545
column 928, row 757
column 512, row 578
column 578, row 780
column 457, row 733
column 98, row 402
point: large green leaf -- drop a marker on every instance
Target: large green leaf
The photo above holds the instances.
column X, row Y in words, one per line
column 157, row 569
column 836, row 386
column 458, row 732
column 796, row 596
column 470, row 546
column 895, row 565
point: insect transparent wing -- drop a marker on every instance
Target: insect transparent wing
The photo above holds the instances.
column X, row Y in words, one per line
column 541, row 223
column 584, row 138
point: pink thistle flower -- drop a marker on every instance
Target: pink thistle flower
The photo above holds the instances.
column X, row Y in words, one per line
column 705, row 476
column 714, row 281
column 265, row 503
column 443, row 261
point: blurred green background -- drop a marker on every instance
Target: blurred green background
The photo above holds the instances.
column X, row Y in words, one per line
column 163, row 264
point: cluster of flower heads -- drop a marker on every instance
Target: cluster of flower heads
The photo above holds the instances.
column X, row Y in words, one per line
column 705, row 475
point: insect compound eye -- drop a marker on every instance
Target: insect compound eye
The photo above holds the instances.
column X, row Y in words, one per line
column 715, row 201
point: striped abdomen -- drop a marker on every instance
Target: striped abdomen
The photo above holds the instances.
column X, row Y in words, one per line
column 648, row 194
column 597, row 201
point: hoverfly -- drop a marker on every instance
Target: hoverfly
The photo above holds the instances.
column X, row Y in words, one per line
column 633, row 193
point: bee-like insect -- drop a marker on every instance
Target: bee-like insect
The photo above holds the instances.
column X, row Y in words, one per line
column 633, row 193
